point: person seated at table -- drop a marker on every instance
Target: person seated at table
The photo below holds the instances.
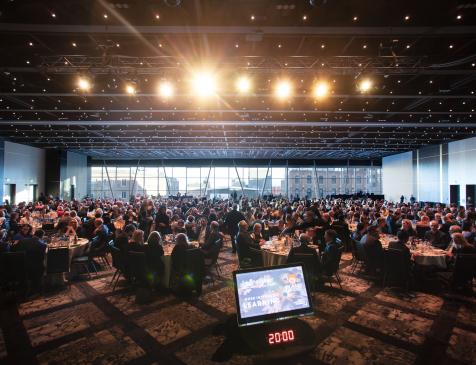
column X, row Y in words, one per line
column 26, row 219
column 460, row 245
column 331, row 251
column 303, row 248
column 24, row 233
column 202, row 231
column 71, row 230
column 244, row 241
column 373, row 249
column 136, row 242
column 447, row 223
column 407, row 227
column 468, row 231
column 122, row 238
column 12, row 225
column 213, row 237
column 400, row 244
column 34, row 248
column 190, row 227
column 179, row 227
column 178, row 252
column 153, row 255
column 436, row 237
column 382, row 226
column 359, row 232
column 257, row 235
column 100, row 235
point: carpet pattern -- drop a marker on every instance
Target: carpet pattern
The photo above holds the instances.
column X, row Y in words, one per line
column 362, row 323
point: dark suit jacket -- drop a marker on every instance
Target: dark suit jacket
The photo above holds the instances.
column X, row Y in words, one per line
column 34, row 254
column 244, row 242
column 438, row 239
column 304, row 249
column 397, row 245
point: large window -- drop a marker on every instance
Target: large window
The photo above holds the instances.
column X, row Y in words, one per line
column 124, row 182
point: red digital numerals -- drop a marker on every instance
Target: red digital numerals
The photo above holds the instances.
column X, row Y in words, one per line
column 280, row 337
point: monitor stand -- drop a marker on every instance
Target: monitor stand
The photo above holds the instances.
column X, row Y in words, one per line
column 279, row 339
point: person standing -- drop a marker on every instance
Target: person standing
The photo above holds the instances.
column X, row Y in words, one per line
column 231, row 222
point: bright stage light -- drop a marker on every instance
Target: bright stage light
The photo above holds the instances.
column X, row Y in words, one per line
column 321, row 89
column 243, row 84
column 166, row 90
column 84, row 84
column 204, row 84
column 283, row 89
column 365, row 85
column 130, row 89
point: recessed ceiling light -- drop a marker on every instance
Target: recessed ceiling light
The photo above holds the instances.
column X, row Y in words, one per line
column 304, row 17
column 459, row 17
column 105, row 16
column 157, row 16
column 53, row 15
column 30, row 44
column 355, row 18
column 118, row 45
column 237, row 45
column 364, row 46
column 27, row 62
column 280, row 45
column 450, row 46
column 323, row 45
column 408, row 46
column 407, row 17
column 252, row 17
column 74, row 44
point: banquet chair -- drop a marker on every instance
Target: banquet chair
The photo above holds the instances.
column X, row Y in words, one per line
column 13, row 271
column 57, row 261
column 333, row 269
column 310, row 265
column 421, row 231
column 397, row 268
column 464, row 271
column 212, row 260
column 188, row 278
column 358, row 256
column 137, row 265
column 85, row 262
column 256, row 257
column 117, row 263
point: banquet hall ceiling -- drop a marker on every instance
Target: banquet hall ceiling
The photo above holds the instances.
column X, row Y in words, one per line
column 420, row 57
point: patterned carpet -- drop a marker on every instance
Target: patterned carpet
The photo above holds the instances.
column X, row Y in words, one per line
column 361, row 324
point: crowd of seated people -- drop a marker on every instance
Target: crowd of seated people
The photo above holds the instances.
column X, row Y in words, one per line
column 141, row 224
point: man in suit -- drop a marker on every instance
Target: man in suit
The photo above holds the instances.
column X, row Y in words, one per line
column 305, row 249
column 373, row 249
column 331, row 251
column 34, row 248
column 243, row 240
column 436, row 237
column 231, row 222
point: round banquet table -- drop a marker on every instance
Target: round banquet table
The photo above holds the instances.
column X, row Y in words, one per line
column 275, row 252
column 75, row 250
column 423, row 254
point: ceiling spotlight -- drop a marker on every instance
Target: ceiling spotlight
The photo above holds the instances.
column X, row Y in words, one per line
column 365, row 85
column 166, row 90
column 84, row 84
column 118, row 45
column 105, row 16
column 130, row 89
column 304, row 17
column 204, row 84
column 323, row 45
column 407, row 17
column 283, row 89
column 450, row 46
column 408, row 46
column 157, row 16
column 74, row 44
column 252, row 17
column 243, row 84
column 53, row 15
column 30, row 44
column 459, row 17
column 355, row 18
column 321, row 89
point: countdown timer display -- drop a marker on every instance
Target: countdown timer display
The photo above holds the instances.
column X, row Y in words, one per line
column 285, row 336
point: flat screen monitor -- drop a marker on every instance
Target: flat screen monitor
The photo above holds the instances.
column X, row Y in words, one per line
column 271, row 293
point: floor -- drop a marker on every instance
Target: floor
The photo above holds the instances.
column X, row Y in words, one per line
column 361, row 324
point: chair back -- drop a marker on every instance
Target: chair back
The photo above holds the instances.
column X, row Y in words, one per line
column 137, row 266
column 420, row 231
column 256, row 257
column 333, row 266
column 190, row 276
column 465, row 268
column 57, row 260
column 308, row 260
column 13, row 268
column 47, row 227
column 215, row 252
column 396, row 266
column 358, row 252
column 343, row 235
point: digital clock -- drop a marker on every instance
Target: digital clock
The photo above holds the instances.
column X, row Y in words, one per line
column 285, row 336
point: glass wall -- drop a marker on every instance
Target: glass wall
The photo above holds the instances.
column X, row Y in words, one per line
column 123, row 182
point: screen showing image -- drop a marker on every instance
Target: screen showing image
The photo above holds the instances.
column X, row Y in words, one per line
column 265, row 294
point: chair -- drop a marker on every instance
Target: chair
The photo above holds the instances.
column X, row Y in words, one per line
column 57, row 261
column 421, row 231
column 84, row 262
column 118, row 264
column 101, row 253
column 187, row 277
column 310, row 265
column 13, row 270
column 332, row 269
column 464, row 270
column 212, row 259
column 358, row 255
column 256, row 257
column 343, row 235
column 396, row 267
column 137, row 265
